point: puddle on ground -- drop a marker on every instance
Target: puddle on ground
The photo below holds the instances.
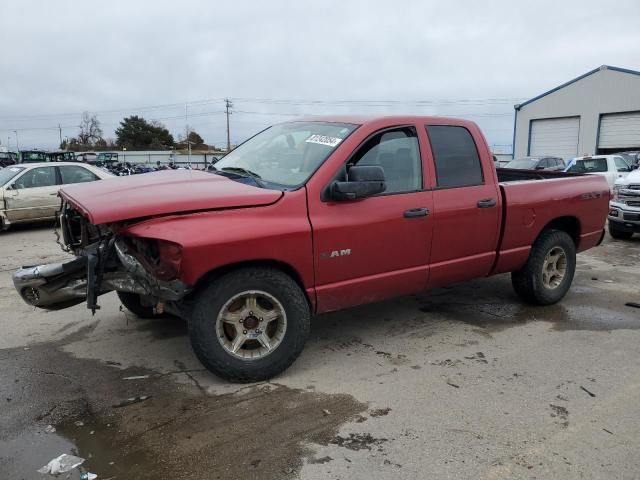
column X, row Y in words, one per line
column 495, row 317
column 260, row 431
column 476, row 303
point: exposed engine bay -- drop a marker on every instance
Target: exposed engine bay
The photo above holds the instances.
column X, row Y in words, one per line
column 104, row 261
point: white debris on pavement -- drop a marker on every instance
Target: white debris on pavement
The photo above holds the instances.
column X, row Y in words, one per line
column 62, row 464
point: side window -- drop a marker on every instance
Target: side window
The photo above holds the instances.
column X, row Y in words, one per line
column 398, row 153
column 621, row 165
column 37, row 177
column 76, row 174
column 456, row 157
column 544, row 163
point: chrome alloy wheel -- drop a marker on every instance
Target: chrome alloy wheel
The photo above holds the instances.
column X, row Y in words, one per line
column 251, row 325
column 554, row 268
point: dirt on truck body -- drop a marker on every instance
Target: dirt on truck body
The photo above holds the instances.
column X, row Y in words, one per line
column 313, row 216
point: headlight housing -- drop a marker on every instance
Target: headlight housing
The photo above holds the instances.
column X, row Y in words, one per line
column 616, row 192
column 161, row 258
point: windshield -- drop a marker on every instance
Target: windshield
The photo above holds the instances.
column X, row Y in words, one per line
column 523, row 163
column 286, row 154
column 588, row 165
column 8, row 173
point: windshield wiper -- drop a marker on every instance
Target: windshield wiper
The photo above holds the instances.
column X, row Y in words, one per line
column 243, row 172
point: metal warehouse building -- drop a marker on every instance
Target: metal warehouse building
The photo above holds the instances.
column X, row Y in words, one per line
column 596, row 113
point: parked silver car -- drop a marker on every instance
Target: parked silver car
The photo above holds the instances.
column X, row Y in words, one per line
column 29, row 192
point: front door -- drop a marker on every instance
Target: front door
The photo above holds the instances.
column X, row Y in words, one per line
column 33, row 195
column 378, row 247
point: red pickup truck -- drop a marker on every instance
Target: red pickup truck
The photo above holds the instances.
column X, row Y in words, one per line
column 311, row 216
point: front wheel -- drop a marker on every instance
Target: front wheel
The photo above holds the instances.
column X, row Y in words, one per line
column 617, row 233
column 548, row 273
column 249, row 325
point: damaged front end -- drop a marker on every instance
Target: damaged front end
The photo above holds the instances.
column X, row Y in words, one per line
column 104, row 261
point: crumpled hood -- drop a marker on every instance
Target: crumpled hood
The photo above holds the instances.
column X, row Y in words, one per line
column 162, row 193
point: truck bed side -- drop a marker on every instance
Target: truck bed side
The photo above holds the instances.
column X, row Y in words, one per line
column 575, row 203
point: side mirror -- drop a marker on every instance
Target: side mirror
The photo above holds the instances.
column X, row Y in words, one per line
column 540, row 167
column 633, row 167
column 363, row 181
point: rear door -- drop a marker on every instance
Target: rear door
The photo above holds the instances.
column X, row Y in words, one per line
column 377, row 247
column 466, row 201
column 33, row 195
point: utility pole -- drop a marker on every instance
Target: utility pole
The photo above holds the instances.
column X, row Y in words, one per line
column 186, row 119
column 17, row 143
column 228, row 105
column 60, row 132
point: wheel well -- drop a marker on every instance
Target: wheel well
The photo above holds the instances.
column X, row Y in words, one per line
column 570, row 225
column 283, row 267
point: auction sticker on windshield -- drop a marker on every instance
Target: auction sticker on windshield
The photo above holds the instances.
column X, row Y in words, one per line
column 324, row 140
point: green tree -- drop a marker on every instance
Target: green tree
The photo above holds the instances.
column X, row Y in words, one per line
column 135, row 132
column 195, row 139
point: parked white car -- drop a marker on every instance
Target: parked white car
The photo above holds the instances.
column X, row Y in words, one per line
column 610, row 166
column 624, row 208
column 29, row 192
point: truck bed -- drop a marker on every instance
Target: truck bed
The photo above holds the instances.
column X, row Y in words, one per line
column 578, row 201
column 515, row 175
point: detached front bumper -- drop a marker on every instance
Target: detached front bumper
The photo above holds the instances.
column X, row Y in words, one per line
column 60, row 285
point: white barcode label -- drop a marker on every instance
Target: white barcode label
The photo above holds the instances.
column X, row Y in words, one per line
column 324, row 140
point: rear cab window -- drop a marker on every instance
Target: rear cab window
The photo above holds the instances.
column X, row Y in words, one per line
column 455, row 156
column 589, row 165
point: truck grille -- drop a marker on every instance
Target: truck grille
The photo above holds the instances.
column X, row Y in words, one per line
column 632, row 217
column 633, row 203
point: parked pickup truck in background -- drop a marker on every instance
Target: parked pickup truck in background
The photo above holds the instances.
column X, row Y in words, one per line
column 611, row 167
column 313, row 216
column 624, row 210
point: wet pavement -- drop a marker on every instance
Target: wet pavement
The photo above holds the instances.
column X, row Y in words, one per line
column 457, row 383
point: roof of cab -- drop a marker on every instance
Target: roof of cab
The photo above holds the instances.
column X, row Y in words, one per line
column 382, row 119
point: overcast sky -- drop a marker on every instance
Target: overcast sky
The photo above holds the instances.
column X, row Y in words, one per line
column 469, row 59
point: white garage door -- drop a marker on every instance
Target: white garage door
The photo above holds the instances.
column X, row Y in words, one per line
column 555, row 136
column 619, row 130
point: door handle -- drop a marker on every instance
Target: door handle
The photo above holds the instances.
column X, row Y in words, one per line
column 54, row 193
column 416, row 212
column 486, row 203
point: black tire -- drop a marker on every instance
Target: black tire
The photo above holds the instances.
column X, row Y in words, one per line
column 618, row 233
column 210, row 301
column 528, row 281
column 132, row 302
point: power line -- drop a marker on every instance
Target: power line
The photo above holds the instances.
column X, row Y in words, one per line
column 272, row 101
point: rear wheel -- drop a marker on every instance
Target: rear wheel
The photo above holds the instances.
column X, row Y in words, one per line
column 250, row 325
column 548, row 273
column 617, row 233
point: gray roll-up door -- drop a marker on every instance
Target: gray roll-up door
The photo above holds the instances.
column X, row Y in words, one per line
column 619, row 130
column 556, row 137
